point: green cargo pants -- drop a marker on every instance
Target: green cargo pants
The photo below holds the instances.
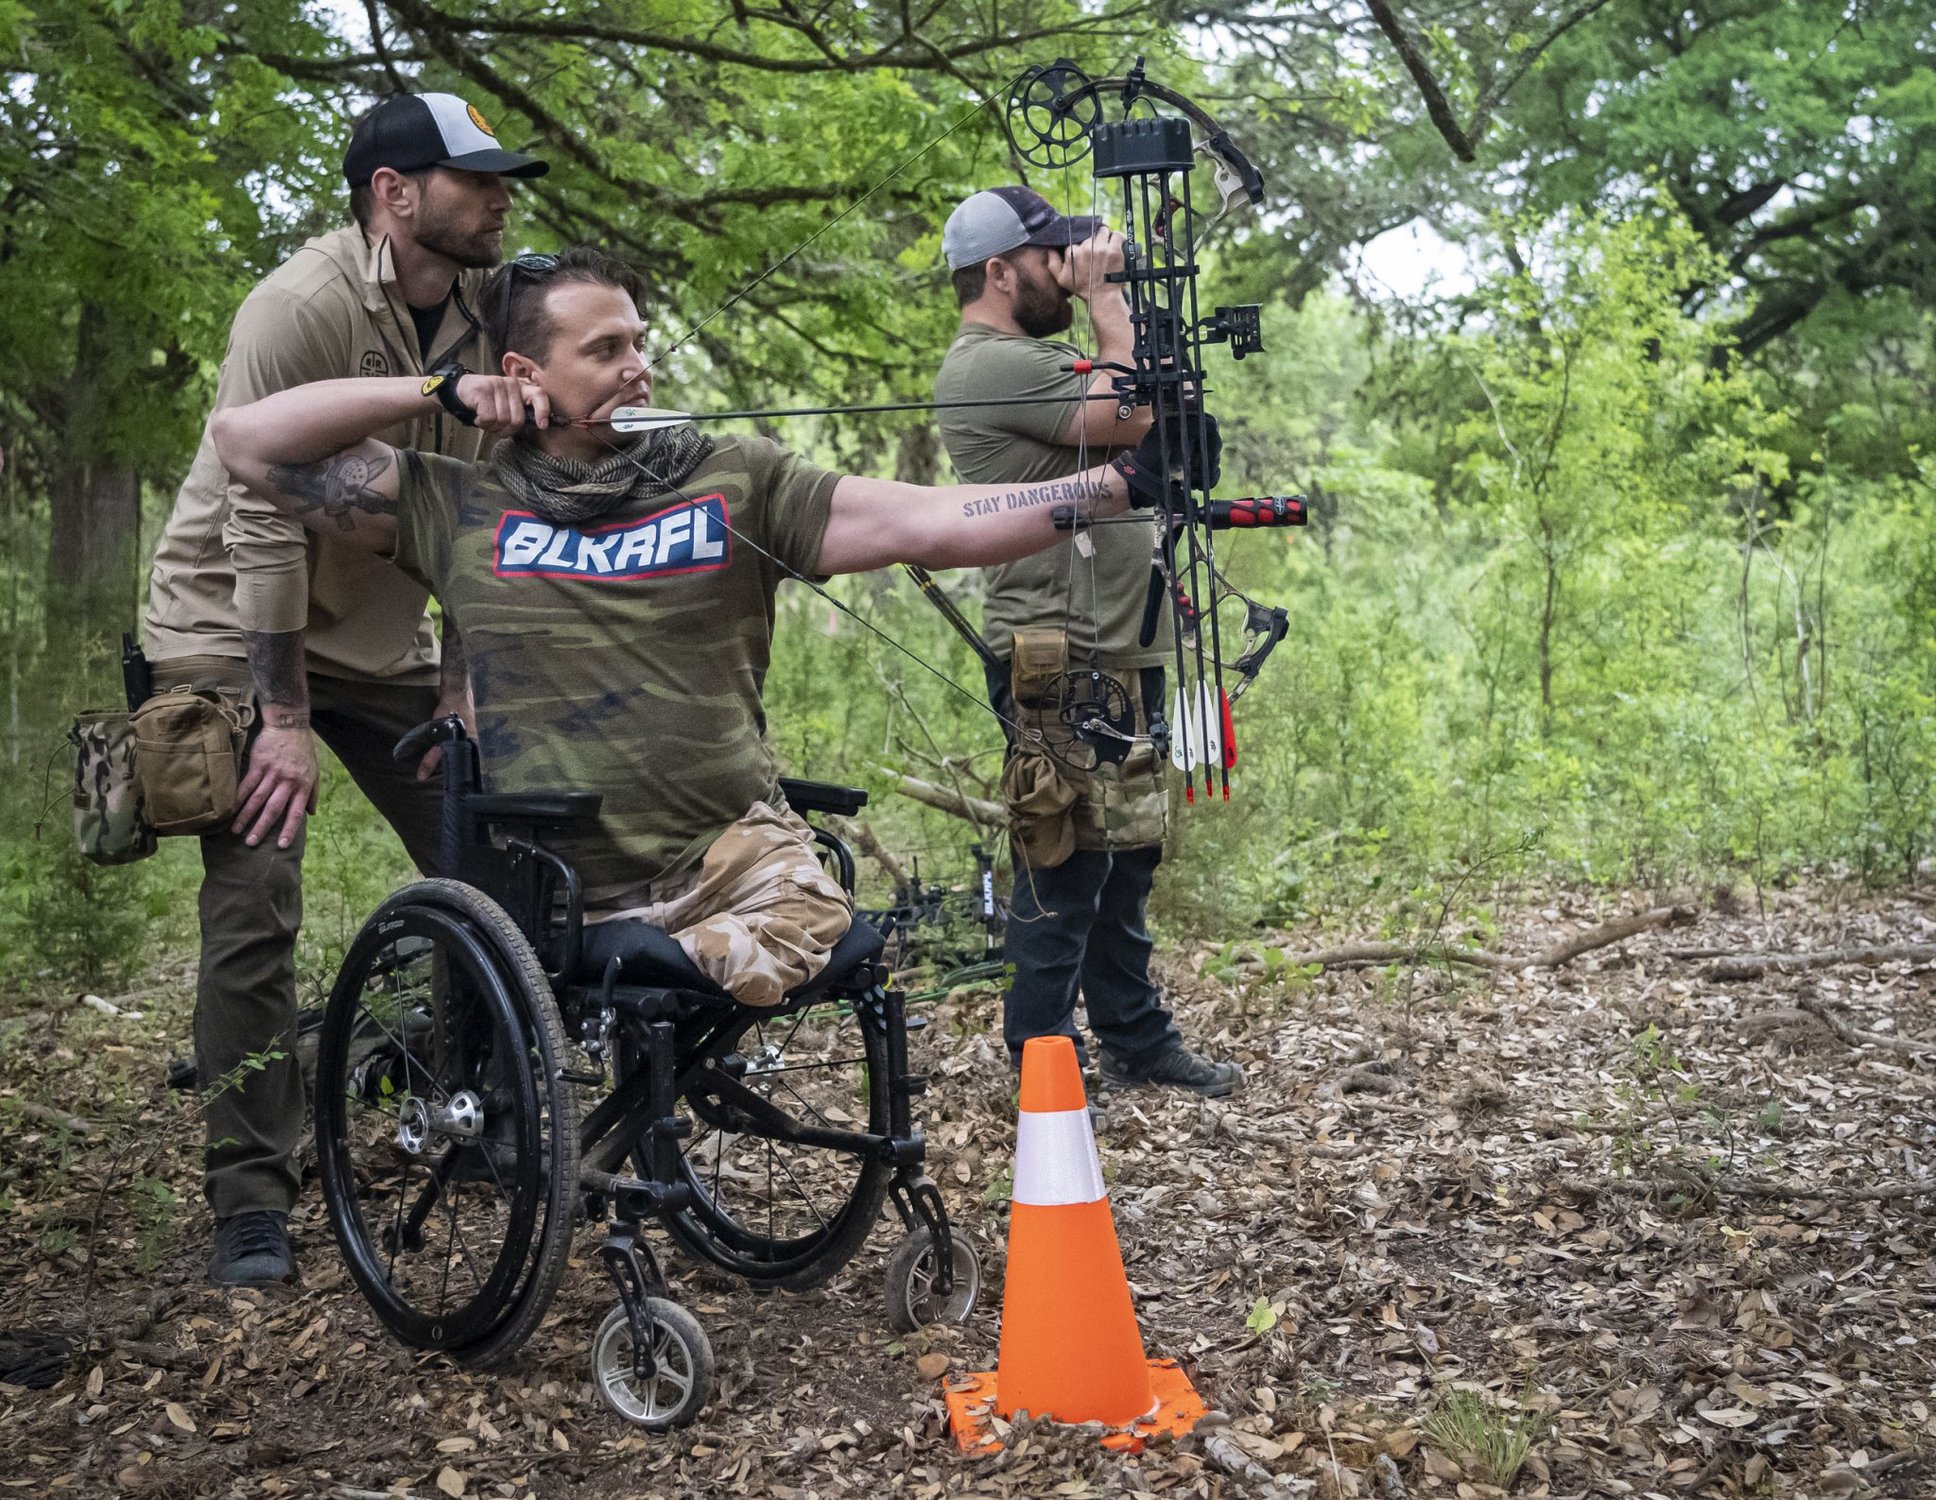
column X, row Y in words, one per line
column 251, row 909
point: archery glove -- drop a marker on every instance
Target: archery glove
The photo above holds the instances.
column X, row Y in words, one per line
column 1179, row 434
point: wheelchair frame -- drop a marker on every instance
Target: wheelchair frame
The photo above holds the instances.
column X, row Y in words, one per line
column 670, row 1035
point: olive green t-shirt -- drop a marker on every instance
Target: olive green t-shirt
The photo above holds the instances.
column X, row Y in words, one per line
column 625, row 656
column 1099, row 597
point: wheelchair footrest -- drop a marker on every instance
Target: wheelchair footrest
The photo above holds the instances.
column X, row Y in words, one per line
column 633, row 1198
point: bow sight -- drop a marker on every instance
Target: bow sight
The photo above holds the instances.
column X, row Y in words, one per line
column 1055, row 119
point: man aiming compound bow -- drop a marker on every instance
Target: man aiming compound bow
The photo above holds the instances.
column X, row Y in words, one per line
column 617, row 597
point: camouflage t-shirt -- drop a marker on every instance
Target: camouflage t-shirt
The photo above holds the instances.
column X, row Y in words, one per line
column 1100, row 598
column 627, row 656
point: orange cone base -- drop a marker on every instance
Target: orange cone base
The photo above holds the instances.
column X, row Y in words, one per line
column 971, row 1406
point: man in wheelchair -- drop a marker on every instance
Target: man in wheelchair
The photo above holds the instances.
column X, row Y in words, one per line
column 617, row 596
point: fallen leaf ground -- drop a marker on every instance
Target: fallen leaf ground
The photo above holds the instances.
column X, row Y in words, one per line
column 1676, row 1232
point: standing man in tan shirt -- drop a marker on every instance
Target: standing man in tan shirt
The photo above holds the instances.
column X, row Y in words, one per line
column 323, row 637
column 1087, row 841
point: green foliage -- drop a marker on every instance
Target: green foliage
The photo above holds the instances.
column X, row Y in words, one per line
column 1484, row 1441
column 1586, row 597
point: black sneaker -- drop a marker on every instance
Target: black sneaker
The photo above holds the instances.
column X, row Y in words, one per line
column 252, row 1249
column 1177, row 1068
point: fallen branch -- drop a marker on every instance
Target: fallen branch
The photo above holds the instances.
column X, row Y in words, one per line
column 1746, row 1187
column 868, row 842
column 59, row 1118
column 1856, row 1037
column 1366, row 1078
column 1358, row 955
column 1869, row 955
column 981, row 813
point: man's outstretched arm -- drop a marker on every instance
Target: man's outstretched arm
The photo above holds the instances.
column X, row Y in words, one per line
column 878, row 522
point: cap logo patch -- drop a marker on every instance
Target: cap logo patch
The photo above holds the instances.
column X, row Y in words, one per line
column 479, row 121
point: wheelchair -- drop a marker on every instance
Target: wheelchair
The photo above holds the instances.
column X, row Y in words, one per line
column 491, row 1068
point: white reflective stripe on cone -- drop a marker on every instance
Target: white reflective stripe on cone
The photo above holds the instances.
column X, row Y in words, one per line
column 1055, row 1159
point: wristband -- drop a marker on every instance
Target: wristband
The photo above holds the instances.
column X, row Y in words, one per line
column 442, row 383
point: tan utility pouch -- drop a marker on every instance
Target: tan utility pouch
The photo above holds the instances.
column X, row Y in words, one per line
column 1041, row 808
column 1041, row 656
column 188, row 747
column 111, row 826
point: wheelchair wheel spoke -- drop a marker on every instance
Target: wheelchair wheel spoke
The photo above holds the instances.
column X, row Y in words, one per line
column 436, row 1094
column 766, row 1205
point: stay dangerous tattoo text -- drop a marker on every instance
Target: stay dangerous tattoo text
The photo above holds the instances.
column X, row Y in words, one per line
column 1056, row 492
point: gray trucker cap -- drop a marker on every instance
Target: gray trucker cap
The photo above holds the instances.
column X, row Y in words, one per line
column 1004, row 218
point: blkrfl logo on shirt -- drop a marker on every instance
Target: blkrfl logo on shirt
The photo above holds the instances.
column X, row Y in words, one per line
column 691, row 537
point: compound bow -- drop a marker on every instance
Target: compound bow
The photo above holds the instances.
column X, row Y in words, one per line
column 1056, row 118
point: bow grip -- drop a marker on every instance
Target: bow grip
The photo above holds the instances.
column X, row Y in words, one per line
column 1255, row 511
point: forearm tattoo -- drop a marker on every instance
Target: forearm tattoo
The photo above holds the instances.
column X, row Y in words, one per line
column 1056, row 492
column 454, row 673
column 280, row 669
column 339, row 487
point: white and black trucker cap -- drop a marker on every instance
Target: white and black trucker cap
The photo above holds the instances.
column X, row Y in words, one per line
column 1005, row 218
column 408, row 132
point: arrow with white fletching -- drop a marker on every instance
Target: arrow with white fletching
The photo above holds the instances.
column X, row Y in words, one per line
column 646, row 418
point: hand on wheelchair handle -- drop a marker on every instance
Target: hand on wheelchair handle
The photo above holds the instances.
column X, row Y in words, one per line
column 465, row 713
column 1186, row 433
column 428, row 736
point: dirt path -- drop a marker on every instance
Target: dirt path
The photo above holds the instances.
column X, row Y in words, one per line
column 1677, row 1231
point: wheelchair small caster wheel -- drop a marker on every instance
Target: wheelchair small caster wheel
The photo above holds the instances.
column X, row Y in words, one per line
column 913, row 1300
column 683, row 1382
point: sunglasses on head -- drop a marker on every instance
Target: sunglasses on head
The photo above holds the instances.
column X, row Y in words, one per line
column 536, row 267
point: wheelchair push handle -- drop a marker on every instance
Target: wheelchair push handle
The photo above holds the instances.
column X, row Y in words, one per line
column 416, row 744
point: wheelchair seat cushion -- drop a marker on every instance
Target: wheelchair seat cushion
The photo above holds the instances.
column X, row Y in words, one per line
column 649, row 955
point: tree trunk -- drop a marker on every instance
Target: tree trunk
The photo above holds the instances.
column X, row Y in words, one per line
column 95, row 504
column 92, row 549
column 917, row 459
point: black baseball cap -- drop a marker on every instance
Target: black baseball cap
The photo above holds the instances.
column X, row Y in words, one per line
column 409, row 132
column 1006, row 218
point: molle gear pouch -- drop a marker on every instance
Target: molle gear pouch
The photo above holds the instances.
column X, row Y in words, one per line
column 111, row 826
column 1041, row 656
column 188, row 747
column 1041, row 804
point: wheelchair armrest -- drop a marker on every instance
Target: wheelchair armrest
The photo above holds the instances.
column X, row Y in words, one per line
column 534, row 807
column 822, row 797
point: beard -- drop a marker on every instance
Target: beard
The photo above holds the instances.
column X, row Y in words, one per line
column 1041, row 308
column 474, row 249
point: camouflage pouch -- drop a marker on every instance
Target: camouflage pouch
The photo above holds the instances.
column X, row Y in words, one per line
column 1041, row 802
column 110, row 823
column 1126, row 805
column 1040, row 657
column 188, row 747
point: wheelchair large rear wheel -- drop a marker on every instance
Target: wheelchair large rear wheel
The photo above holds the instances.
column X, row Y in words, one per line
column 772, row 1211
column 448, row 1145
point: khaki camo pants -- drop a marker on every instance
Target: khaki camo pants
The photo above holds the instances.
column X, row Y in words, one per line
column 760, row 914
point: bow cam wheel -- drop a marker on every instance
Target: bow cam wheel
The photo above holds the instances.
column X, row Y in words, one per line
column 1050, row 115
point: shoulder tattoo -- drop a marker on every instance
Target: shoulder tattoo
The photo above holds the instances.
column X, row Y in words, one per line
column 339, row 487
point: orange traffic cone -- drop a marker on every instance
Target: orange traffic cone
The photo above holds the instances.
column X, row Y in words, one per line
column 1070, row 1350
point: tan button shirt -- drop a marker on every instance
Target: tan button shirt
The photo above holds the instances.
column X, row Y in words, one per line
column 230, row 562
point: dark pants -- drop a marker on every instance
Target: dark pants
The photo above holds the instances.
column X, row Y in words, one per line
column 1079, row 929
column 251, row 910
